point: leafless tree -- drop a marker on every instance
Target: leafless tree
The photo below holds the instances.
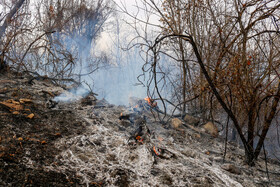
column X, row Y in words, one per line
column 55, row 38
column 234, row 44
column 10, row 27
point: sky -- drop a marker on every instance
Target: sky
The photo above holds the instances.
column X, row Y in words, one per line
column 130, row 5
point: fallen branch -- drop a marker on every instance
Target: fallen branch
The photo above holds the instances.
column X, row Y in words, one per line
column 39, row 77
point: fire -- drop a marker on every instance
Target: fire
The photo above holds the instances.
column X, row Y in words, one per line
column 154, row 149
column 151, row 102
column 148, row 100
column 139, row 139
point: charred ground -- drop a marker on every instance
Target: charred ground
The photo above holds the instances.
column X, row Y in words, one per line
column 28, row 144
column 84, row 143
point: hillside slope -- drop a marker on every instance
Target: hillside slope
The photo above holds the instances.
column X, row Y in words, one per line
column 84, row 143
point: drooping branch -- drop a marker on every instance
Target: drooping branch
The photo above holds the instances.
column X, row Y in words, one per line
column 216, row 93
column 189, row 39
column 30, row 45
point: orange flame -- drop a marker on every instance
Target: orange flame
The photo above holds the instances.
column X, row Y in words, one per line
column 148, row 100
column 154, row 149
column 139, row 139
column 151, row 102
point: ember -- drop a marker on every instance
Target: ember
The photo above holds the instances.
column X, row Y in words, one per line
column 142, row 105
column 155, row 151
column 139, row 139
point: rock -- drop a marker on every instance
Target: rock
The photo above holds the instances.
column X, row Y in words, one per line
column 231, row 168
column 211, row 128
column 191, row 120
column 176, row 123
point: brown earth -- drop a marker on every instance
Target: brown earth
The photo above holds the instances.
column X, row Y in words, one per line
column 28, row 144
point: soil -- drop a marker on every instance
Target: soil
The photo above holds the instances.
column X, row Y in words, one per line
column 84, row 143
column 28, row 144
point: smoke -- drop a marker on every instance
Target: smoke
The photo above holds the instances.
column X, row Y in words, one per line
column 117, row 83
column 72, row 95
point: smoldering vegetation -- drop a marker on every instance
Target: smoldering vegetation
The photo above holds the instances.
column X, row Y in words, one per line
column 77, row 76
column 85, row 143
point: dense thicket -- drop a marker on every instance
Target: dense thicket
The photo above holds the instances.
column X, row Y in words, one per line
column 52, row 37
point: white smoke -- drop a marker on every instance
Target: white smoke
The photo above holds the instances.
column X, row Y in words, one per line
column 72, row 95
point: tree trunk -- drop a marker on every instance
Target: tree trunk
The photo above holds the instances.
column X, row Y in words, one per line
column 184, row 94
column 267, row 123
column 219, row 98
column 251, row 129
column 10, row 15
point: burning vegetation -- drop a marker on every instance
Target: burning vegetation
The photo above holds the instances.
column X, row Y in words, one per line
column 221, row 84
column 151, row 102
column 89, row 142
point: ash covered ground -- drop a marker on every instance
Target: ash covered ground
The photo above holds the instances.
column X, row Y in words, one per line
column 84, row 143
